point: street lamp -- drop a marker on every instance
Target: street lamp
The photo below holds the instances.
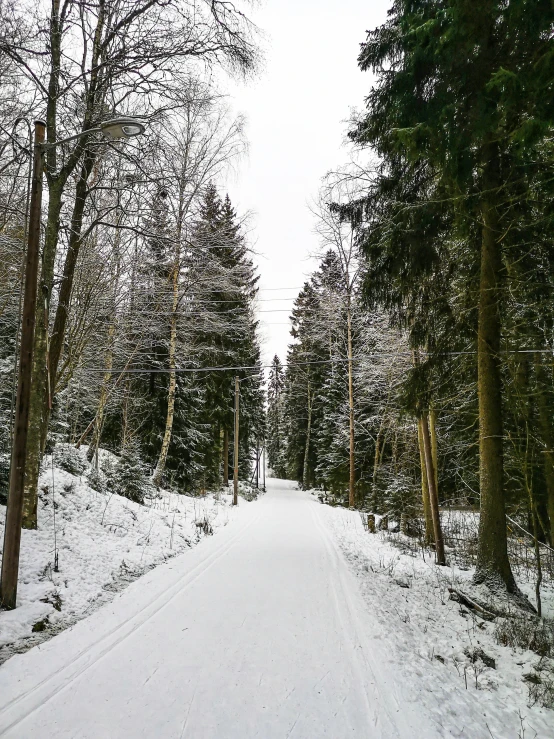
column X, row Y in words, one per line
column 116, row 128
column 122, row 128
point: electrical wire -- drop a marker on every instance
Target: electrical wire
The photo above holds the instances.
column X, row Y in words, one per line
column 237, row 368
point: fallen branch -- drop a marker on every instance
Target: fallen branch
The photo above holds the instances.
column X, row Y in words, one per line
column 473, row 605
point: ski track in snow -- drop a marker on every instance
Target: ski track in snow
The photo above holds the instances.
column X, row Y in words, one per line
column 258, row 632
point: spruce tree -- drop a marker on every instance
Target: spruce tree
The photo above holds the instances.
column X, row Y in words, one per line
column 275, row 418
column 457, row 113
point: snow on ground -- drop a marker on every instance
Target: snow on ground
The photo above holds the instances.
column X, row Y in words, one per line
column 426, row 635
column 258, row 633
column 104, row 542
column 292, row 622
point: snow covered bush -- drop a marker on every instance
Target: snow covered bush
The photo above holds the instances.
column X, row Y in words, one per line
column 129, row 476
column 97, row 480
column 69, row 459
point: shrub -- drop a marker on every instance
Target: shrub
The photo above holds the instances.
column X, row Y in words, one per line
column 69, row 459
column 526, row 632
column 541, row 684
column 130, row 475
column 96, row 480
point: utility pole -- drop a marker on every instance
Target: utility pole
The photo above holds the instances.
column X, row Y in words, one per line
column 14, row 514
column 263, row 467
column 226, row 458
column 257, row 463
column 352, row 475
column 236, row 449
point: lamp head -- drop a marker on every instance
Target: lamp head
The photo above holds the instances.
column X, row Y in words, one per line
column 122, row 128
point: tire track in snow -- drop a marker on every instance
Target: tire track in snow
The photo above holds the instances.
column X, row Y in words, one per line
column 389, row 705
column 14, row 713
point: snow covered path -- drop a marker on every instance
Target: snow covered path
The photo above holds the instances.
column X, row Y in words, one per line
column 259, row 631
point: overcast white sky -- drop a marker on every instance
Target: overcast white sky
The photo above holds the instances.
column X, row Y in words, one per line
column 296, row 112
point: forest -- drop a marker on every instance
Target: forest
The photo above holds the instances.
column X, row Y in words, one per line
column 145, row 265
column 411, row 416
column 420, row 375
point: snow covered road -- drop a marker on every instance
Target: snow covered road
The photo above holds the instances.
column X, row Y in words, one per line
column 259, row 631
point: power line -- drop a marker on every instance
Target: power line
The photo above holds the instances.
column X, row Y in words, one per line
column 259, row 367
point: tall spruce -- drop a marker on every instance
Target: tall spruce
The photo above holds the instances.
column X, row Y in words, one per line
column 276, row 430
column 464, row 102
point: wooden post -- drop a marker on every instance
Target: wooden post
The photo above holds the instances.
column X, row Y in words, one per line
column 236, row 449
column 14, row 514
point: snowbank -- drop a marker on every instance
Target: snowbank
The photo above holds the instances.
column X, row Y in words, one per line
column 430, row 637
column 103, row 542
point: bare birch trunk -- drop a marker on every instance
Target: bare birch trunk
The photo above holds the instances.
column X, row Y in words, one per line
column 104, row 395
column 429, row 533
column 547, row 438
column 433, row 493
column 434, row 445
column 160, row 467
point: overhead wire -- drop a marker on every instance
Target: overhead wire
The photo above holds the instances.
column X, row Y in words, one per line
column 237, row 368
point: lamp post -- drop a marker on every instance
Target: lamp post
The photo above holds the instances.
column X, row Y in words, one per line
column 236, row 445
column 112, row 129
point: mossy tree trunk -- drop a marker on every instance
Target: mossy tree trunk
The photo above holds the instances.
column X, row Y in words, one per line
column 493, row 566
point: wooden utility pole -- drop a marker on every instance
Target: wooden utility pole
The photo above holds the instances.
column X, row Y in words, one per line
column 14, row 514
column 433, row 492
column 236, row 449
column 257, row 464
column 226, row 457
column 263, row 467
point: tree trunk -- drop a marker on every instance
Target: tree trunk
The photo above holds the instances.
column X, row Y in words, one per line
column 104, row 394
column 160, row 467
column 493, row 566
column 434, row 445
column 433, row 493
column 352, row 475
column 66, row 287
column 547, row 437
column 375, row 502
column 39, row 382
column 429, row 535
column 39, row 410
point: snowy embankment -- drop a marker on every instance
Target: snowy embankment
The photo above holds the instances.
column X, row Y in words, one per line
column 103, row 542
column 434, row 639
